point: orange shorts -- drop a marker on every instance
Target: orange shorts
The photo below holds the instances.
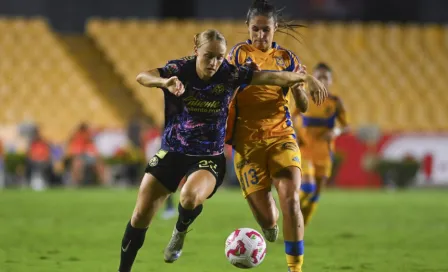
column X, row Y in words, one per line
column 256, row 162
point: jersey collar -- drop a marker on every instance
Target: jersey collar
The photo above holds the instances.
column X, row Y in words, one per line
column 274, row 45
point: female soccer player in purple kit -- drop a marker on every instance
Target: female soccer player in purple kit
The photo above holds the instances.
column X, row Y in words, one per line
column 198, row 91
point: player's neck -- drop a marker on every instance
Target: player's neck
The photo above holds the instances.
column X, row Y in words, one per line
column 267, row 50
column 201, row 75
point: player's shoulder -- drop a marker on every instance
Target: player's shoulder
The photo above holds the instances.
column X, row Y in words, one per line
column 183, row 60
column 238, row 53
column 334, row 98
column 290, row 59
column 241, row 46
column 181, row 63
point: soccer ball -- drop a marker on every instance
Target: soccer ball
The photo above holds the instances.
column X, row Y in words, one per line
column 245, row 248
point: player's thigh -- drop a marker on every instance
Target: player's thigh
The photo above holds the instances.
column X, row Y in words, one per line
column 285, row 160
column 169, row 168
column 263, row 207
column 158, row 183
column 151, row 195
column 197, row 188
column 204, row 176
column 251, row 171
column 287, row 183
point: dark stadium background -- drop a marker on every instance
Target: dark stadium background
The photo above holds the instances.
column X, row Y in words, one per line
column 67, row 71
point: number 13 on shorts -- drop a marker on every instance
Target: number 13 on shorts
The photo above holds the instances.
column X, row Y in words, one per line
column 251, row 175
column 250, row 178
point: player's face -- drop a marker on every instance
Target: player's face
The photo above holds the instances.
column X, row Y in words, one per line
column 261, row 31
column 324, row 76
column 209, row 58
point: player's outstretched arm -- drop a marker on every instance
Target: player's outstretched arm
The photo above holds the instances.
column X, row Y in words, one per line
column 287, row 79
column 152, row 78
column 283, row 79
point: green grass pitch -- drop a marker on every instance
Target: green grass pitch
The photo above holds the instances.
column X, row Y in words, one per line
column 81, row 230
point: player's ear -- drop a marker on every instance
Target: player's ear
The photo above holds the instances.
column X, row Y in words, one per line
column 275, row 27
column 196, row 51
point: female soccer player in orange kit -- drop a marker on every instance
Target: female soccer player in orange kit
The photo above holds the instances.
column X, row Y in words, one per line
column 261, row 132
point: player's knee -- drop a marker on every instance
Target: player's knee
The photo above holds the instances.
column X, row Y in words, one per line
column 140, row 219
column 189, row 200
column 290, row 203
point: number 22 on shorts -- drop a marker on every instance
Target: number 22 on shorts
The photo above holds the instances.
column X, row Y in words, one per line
column 250, row 177
column 208, row 164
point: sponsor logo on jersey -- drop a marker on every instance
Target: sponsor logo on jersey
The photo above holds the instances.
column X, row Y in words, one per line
column 218, row 89
column 198, row 105
column 280, row 61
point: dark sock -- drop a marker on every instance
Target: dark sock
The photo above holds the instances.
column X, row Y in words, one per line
column 186, row 217
column 170, row 203
column 132, row 241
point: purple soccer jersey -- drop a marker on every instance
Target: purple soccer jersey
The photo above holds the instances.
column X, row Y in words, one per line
column 195, row 122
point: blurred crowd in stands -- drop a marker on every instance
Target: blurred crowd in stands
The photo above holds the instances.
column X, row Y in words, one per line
column 98, row 157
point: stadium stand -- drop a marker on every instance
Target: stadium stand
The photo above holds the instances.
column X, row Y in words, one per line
column 42, row 83
column 388, row 74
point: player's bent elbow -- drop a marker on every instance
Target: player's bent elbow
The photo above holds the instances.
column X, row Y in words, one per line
column 140, row 78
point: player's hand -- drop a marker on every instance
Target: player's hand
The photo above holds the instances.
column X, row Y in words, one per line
column 175, row 86
column 252, row 65
column 317, row 90
column 302, row 69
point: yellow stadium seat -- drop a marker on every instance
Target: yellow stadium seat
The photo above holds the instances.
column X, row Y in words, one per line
column 376, row 66
column 39, row 79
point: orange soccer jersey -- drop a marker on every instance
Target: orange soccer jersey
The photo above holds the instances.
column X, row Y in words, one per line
column 315, row 124
column 260, row 112
column 259, row 125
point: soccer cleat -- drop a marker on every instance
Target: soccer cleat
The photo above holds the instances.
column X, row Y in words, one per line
column 174, row 248
column 271, row 234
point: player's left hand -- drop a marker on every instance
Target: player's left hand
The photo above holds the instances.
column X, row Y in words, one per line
column 302, row 69
column 252, row 65
column 175, row 86
column 317, row 90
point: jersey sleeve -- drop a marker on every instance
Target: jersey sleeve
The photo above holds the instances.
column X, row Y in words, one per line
column 237, row 55
column 172, row 68
column 294, row 63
